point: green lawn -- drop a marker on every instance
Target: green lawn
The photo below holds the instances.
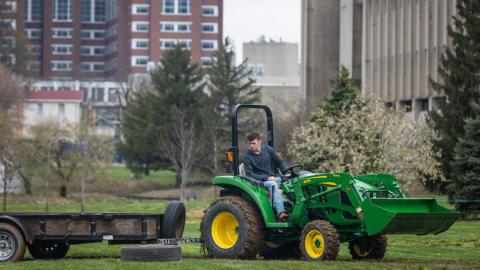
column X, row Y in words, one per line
column 163, row 178
column 457, row 248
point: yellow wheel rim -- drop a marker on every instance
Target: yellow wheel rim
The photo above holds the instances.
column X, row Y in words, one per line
column 314, row 244
column 358, row 251
column 225, row 230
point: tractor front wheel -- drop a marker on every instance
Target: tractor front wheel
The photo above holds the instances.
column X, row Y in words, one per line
column 373, row 248
column 320, row 241
column 232, row 228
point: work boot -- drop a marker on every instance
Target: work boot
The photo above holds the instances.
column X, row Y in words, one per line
column 283, row 216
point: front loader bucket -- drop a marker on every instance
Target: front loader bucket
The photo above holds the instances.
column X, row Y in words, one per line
column 406, row 216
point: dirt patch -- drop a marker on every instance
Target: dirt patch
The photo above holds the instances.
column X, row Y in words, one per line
column 195, row 213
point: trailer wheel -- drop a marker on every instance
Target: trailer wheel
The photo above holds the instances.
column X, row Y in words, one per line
column 280, row 251
column 173, row 220
column 374, row 248
column 232, row 228
column 48, row 250
column 12, row 244
column 320, row 241
column 150, row 253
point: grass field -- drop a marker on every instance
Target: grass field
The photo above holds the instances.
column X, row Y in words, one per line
column 458, row 248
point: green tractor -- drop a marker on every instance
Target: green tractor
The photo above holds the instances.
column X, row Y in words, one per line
column 325, row 209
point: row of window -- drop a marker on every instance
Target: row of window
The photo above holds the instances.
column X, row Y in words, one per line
column 93, row 11
column 182, row 27
column 66, row 49
column 61, row 109
column 68, row 33
column 143, row 61
column 178, row 7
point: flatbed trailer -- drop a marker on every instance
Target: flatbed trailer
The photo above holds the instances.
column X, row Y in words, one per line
column 49, row 235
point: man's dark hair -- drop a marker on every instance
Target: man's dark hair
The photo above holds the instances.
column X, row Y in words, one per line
column 253, row 136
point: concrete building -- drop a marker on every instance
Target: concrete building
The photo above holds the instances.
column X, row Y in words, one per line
column 275, row 67
column 58, row 106
column 403, row 41
column 392, row 47
column 331, row 36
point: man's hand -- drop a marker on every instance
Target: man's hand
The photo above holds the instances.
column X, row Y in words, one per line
column 271, row 178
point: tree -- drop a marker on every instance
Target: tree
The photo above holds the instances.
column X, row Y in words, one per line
column 14, row 51
column 228, row 85
column 466, row 163
column 343, row 94
column 459, row 81
column 10, row 92
column 367, row 139
column 140, row 147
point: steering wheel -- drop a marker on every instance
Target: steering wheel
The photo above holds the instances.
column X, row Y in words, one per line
column 292, row 171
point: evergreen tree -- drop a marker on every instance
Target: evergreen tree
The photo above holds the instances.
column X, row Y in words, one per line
column 343, row 94
column 459, row 80
column 177, row 95
column 466, row 163
column 13, row 45
column 228, row 84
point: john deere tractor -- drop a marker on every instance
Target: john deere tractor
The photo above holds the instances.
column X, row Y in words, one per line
column 325, row 209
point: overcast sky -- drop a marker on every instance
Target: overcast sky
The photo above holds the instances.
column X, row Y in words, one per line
column 246, row 20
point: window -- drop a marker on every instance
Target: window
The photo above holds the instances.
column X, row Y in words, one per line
column 139, row 9
column 99, row 34
column 62, row 10
column 62, row 32
column 62, row 65
column 84, row 50
column 61, row 109
column 140, row 27
column 39, row 109
column 209, row 45
column 36, row 49
column 85, row 34
column 61, row 49
column 100, row 8
column 166, row 43
column 209, row 28
column 86, row 10
column 98, row 50
column 85, row 66
column 184, row 6
column 168, row 6
column 33, row 10
column 209, row 10
column 185, row 43
column 184, row 27
column 206, row 61
column 139, row 61
column 98, row 67
column 139, row 43
column 167, row 27
column 33, row 33
column 98, row 94
column 177, row 7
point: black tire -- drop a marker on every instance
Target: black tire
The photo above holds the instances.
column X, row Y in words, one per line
column 173, row 222
column 48, row 250
column 151, row 253
column 12, row 243
column 375, row 250
column 280, row 251
column 320, row 241
column 249, row 231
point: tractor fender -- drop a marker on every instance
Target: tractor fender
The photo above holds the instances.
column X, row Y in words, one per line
column 237, row 184
column 18, row 224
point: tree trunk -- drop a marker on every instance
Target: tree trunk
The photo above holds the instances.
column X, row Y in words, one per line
column 4, row 194
column 178, row 179
column 146, row 169
column 63, row 191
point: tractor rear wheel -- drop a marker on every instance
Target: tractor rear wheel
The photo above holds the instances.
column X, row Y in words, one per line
column 320, row 241
column 280, row 251
column 232, row 228
column 374, row 248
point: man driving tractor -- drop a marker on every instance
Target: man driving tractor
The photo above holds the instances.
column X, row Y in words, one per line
column 260, row 163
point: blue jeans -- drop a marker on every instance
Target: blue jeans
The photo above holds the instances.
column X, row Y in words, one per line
column 277, row 198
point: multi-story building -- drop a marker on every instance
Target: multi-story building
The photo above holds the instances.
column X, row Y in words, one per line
column 97, row 46
column 107, row 39
column 392, row 47
column 275, row 67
